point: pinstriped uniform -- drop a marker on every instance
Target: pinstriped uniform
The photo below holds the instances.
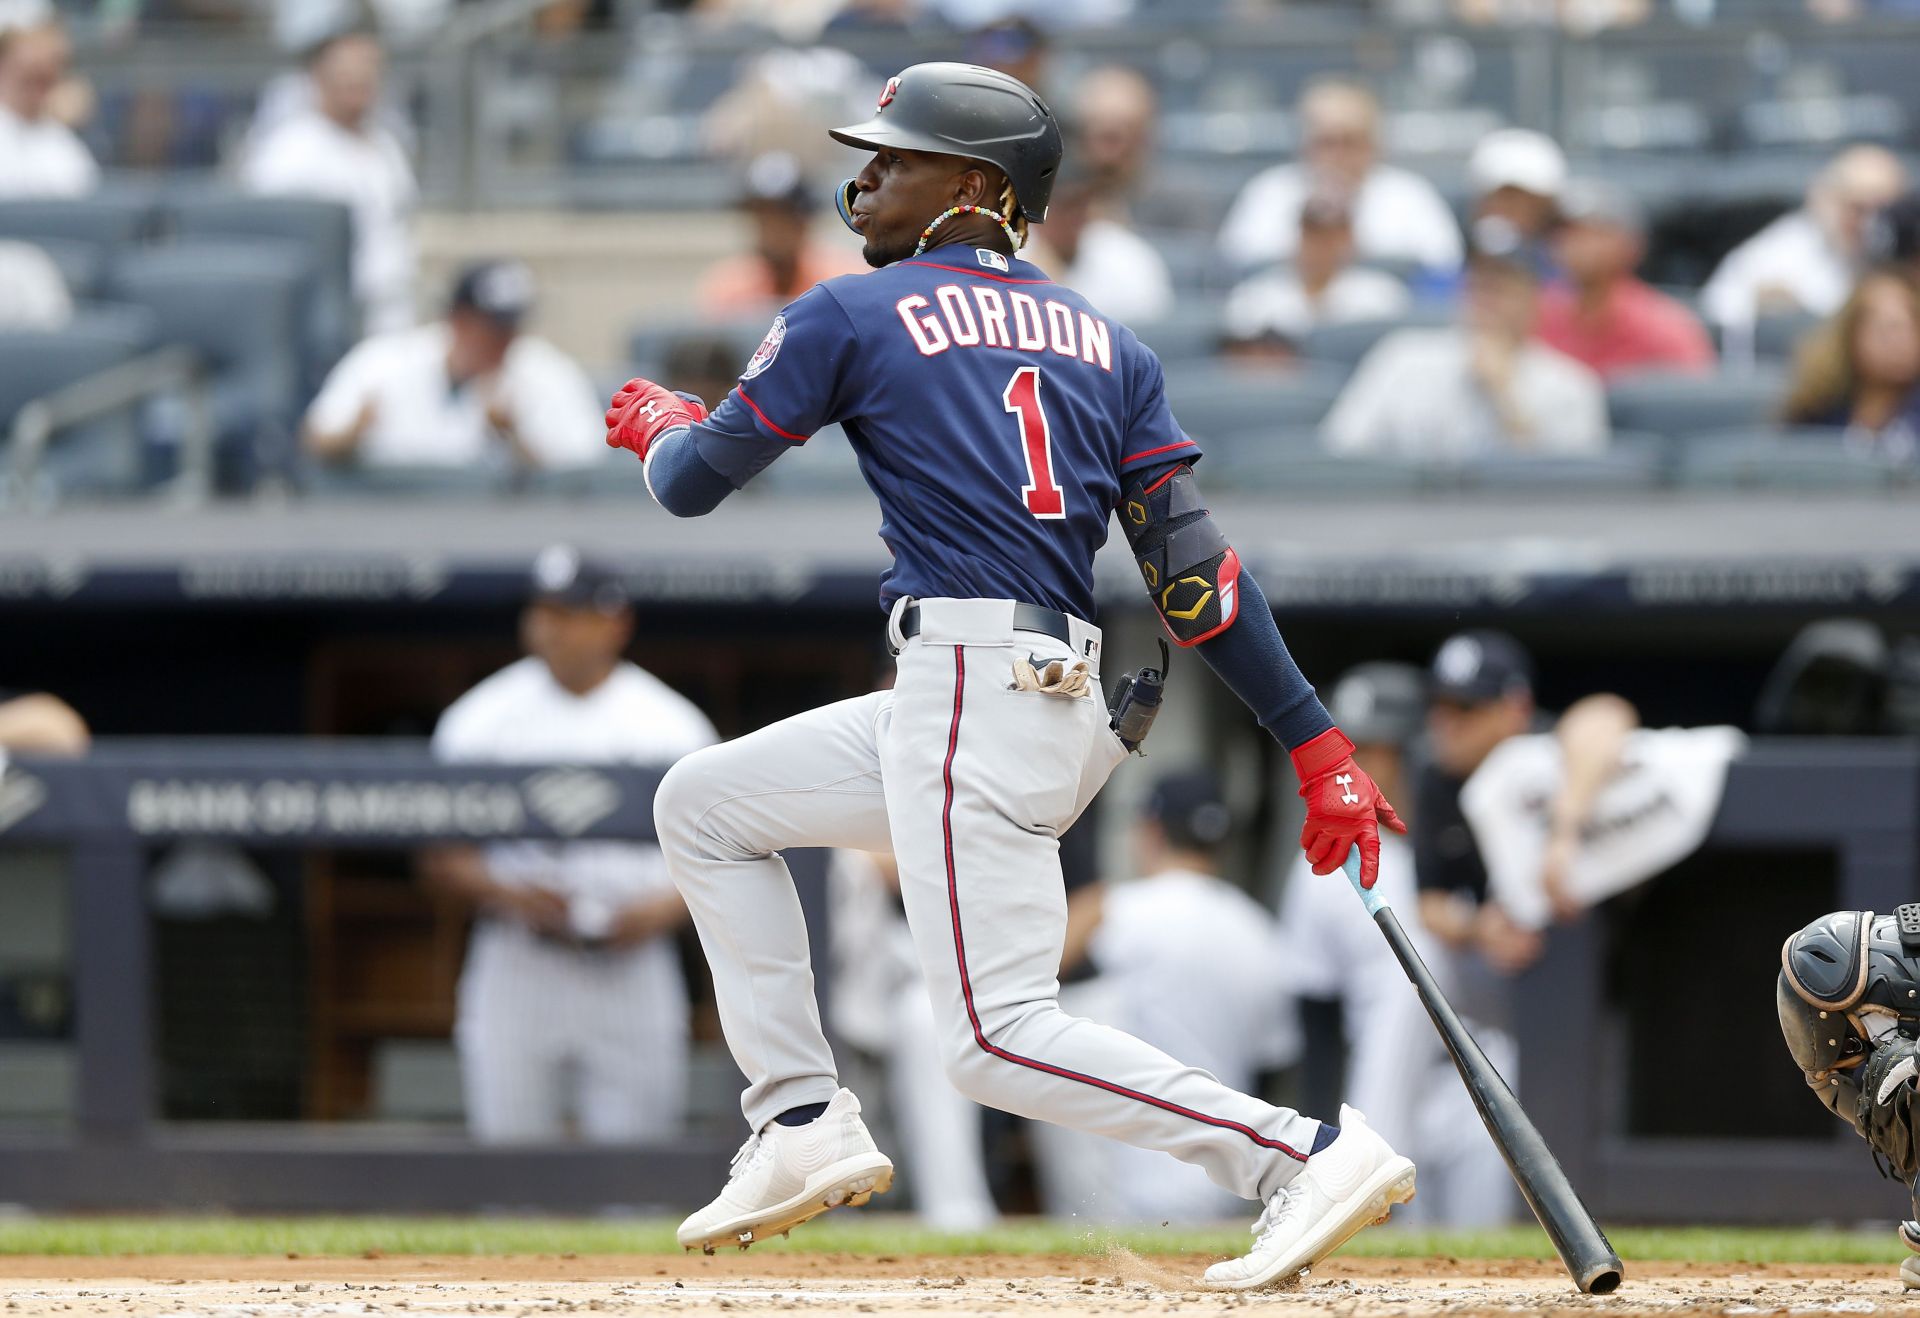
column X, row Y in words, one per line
column 545, row 1027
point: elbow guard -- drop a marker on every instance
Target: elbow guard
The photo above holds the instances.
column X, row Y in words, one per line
column 1191, row 573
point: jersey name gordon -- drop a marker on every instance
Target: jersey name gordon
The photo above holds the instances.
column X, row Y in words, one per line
column 989, row 319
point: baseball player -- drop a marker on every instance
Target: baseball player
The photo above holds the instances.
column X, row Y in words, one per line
column 572, row 981
column 1846, row 995
column 1000, row 419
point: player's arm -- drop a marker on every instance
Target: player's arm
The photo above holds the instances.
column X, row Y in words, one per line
column 1209, row 603
column 460, row 874
column 793, row 386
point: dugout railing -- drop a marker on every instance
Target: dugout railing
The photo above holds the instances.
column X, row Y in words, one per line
column 1850, row 808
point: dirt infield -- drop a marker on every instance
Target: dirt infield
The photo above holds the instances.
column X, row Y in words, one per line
column 1117, row 1282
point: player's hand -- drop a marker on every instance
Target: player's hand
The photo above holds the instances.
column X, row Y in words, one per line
column 643, row 411
column 540, row 909
column 1508, row 947
column 1343, row 807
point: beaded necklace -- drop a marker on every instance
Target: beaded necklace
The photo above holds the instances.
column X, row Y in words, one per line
column 938, row 220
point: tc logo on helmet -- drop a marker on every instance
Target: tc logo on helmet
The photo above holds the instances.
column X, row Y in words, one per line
column 886, row 97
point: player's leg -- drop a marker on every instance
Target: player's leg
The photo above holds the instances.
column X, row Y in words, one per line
column 510, row 1056
column 980, row 780
column 723, row 814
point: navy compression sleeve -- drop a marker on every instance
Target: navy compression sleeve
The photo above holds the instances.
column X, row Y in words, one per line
column 682, row 481
column 1253, row 661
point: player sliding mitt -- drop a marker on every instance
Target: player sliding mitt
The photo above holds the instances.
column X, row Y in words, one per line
column 1343, row 807
column 643, row 411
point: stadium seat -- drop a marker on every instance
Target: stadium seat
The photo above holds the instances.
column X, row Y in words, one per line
column 82, row 264
column 1806, row 459
column 1631, row 462
column 1215, row 400
column 112, row 217
column 1345, row 345
column 1671, row 404
column 1191, row 332
column 324, row 228
column 100, row 455
column 237, row 305
column 406, row 482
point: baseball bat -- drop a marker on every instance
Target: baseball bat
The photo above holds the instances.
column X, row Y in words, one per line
column 1583, row 1247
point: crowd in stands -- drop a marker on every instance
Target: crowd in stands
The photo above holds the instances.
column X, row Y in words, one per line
column 1389, row 317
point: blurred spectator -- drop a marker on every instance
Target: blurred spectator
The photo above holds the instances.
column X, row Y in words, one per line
column 874, row 16
column 785, row 261
column 1894, row 237
column 1517, row 175
column 1397, row 215
column 1483, row 384
column 1183, row 959
column 572, row 980
column 1397, row 1069
column 33, row 295
column 1113, row 113
column 1582, row 16
column 1480, row 694
column 1861, row 369
column 1015, row 45
column 1322, row 287
column 467, row 391
column 704, row 366
column 1808, row 259
column 336, row 149
column 1096, row 255
column 786, row 99
column 39, row 155
column 879, row 1005
column 40, row 724
column 1604, row 315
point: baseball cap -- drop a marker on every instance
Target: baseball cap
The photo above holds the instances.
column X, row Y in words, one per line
column 1380, row 704
column 777, row 178
column 502, row 291
column 1189, row 807
column 1471, row 668
column 1517, row 158
column 562, row 576
column 1592, row 201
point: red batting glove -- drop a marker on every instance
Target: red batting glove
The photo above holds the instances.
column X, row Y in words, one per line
column 1343, row 807
column 643, row 411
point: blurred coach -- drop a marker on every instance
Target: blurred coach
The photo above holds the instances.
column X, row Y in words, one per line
column 573, row 987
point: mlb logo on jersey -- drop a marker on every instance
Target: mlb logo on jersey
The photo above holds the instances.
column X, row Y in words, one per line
column 769, row 348
column 991, row 260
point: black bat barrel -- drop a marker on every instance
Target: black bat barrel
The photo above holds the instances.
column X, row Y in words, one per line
column 1583, row 1247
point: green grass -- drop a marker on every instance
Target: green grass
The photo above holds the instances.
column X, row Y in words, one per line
column 861, row 1234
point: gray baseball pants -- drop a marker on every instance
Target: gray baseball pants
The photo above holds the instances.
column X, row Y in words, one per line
column 969, row 783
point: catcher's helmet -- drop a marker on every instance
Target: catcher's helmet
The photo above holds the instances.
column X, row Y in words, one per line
column 965, row 110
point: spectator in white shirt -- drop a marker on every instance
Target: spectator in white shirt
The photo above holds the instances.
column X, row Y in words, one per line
column 337, row 150
column 1277, row 309
column 1479, row 386
column 1098, row 256
column 1808, row 259
column 470, row 390
column 33, row 293
column 39, row 155
column 1397, row 215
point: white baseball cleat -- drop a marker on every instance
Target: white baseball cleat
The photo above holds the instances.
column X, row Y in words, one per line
column 1910, row 1265
column 1351, row 1184
column 785, row 1175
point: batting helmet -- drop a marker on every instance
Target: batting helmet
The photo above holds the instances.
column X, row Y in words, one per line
column 965, row 110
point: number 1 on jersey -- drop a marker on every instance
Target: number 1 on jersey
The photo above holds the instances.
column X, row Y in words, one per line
column 1022, row 398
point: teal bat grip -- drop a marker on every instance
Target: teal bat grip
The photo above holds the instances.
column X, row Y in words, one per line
column 1369, row 897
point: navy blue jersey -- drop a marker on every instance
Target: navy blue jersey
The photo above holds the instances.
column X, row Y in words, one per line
column 992, row 410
